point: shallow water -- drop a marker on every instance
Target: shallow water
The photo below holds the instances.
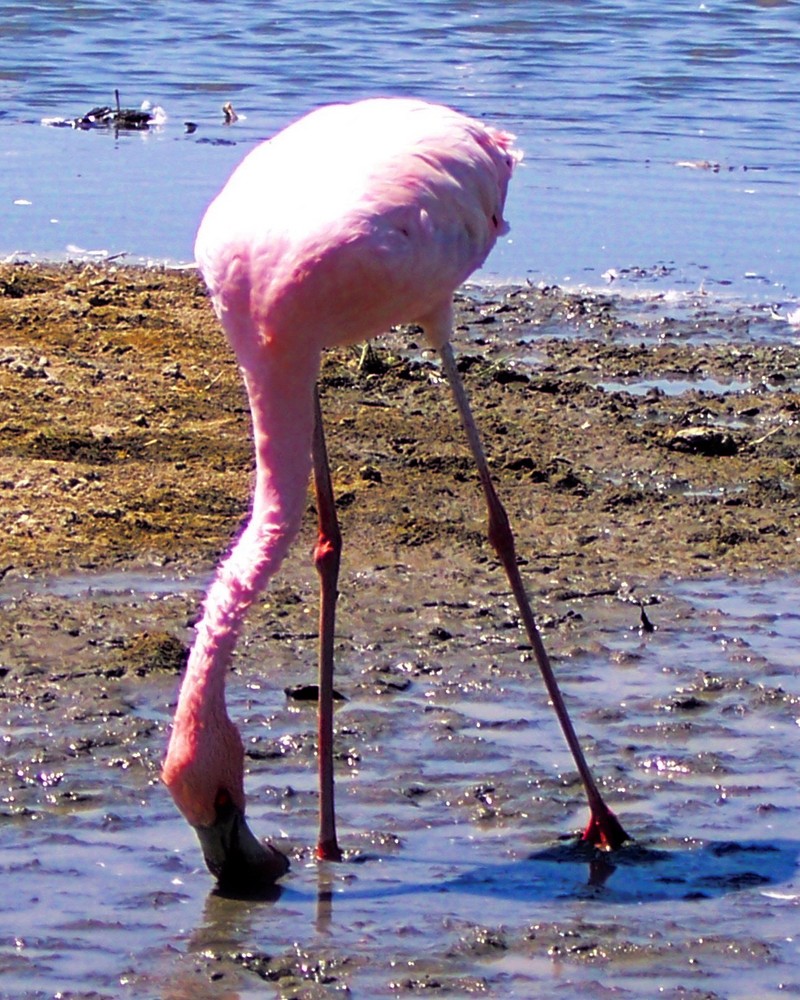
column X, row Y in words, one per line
column 454, row 790
column 660, row 164
column 659, row 142
column 675, row 386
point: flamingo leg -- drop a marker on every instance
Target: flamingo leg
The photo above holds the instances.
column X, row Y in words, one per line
column 327, row 556
column 604, row 829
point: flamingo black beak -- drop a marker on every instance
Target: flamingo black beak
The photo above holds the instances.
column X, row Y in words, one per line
column 234, row 855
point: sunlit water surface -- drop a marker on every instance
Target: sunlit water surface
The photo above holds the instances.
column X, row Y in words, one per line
column 454, row 789
column 658, row 139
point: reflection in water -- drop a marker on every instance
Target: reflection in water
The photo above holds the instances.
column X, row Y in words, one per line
column 228, row 922
column 238, row 936
column 325, row 883
column 601, row 868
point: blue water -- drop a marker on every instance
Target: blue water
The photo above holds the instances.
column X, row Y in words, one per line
column 102, row 896
column 606, row 99
column 103, row 889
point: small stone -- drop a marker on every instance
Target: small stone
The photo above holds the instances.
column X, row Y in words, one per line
column 703, row 441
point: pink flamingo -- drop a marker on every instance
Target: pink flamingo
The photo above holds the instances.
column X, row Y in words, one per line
column 351, row 220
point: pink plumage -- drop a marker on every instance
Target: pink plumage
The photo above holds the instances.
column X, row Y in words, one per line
column 352, row 219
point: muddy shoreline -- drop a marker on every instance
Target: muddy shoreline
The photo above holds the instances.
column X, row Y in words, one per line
column 125, row 435
column 627, row 457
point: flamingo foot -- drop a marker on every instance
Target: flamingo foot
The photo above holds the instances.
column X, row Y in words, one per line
column 328, row 850
column 604, row 830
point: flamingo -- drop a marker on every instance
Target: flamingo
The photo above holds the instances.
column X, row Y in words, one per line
column 355, row 218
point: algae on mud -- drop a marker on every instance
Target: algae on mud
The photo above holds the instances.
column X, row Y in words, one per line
column 125, row 435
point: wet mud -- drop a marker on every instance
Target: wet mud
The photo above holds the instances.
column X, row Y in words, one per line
column 125, row 433
column 650, row 467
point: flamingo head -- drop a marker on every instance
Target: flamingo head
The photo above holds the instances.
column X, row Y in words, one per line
column 233, row 853
column 204, row 772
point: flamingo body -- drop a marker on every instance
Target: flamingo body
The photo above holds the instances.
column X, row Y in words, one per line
column 352, row 219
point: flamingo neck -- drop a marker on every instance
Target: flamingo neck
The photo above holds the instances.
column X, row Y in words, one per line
column 281, row 405
column 237, row 583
